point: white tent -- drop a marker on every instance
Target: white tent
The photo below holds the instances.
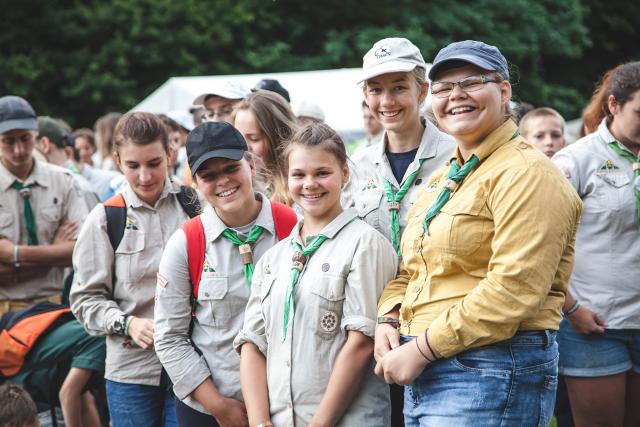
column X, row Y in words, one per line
column 335, row 91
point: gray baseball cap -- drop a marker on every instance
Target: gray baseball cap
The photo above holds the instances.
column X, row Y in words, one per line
column 459, row 54
column 391, row 55
column 16, row 113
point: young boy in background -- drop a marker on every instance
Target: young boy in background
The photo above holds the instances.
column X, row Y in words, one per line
column 544, row 128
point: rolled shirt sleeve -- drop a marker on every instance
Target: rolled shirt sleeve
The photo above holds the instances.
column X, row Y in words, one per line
column 366, row 281
column 172, row 318
column 91, row 296
column 527, row 248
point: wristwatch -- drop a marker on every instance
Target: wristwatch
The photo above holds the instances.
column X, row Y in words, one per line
column 390, row 320
column 119, row 325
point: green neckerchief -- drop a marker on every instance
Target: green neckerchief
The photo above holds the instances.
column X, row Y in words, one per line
column 245, row 248
column 393, row 204
column 635, row 162
column 29, row 217
column 298, row 261
column 454, row 177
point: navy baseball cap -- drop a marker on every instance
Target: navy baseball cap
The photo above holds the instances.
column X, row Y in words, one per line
column 466, row 52
column 273, row 86
column 16, row 113
column 211, row 140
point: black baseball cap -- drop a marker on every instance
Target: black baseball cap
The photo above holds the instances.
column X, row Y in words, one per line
column 16, row 113
column 211, row 140
column 273, row 86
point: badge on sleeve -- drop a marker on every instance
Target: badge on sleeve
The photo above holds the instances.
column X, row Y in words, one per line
column 161, row 284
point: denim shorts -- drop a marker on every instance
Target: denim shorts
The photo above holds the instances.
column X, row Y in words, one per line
column 136, row 405
column 594, row 355
column 510, row 383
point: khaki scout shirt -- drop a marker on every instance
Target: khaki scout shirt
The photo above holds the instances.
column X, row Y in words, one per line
column 222, row 297
column 372, row 165
column 97, row 298
column 606, row 277
column 54, row 200
column 337, row 292
column 498, row 256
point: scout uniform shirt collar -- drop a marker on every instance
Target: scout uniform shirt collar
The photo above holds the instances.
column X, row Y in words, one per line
column 134, row 201
column 426, row 150
column 492, row 142
column 213, row 225
column 37, row 176
column 331, row 229
column 605, row 134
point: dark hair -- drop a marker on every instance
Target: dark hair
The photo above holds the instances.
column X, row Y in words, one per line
column 140, row 129
column 318, row 135
column 87, row 134
column 622, row 82
column 17, row 408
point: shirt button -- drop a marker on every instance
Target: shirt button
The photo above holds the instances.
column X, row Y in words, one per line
column 289, row 405
column 287, row 363
column 206, row 294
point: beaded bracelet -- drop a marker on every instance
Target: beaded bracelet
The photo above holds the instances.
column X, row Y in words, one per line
column 573, row 309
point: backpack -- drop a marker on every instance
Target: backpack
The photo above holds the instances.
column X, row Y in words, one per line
column 116, row 211
column 284, row 219
column 20, row 330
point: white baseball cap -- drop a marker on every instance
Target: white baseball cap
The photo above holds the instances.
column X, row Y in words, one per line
column 228, row 90
column 391, row 55
column 309, row 109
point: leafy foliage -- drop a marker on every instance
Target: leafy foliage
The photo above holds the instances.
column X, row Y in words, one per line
column 80, row 59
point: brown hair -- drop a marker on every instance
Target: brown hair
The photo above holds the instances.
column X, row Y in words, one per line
column 622, row 82
column 87, row 134
column 17, row 408
column 539, row 112
column 277, row 122
column 171, row 124
column 140, row 129
column 318, row 135
column 104, row 129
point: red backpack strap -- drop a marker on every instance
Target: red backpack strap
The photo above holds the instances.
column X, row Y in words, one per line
column 194, row 232
column 284, row 219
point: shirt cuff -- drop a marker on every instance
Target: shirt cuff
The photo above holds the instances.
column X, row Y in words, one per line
column 359, row 323
column 443, row 340
column 195, row 376
column 245, row 337
column 386, row 306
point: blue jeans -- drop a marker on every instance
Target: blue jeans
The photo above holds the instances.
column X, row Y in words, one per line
column 510, row 383
column 595, row 355
column 135, row 405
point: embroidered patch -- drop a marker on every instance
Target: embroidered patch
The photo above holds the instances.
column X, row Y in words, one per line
column 130, row 224
column 565, row 171
column 371, row 183
column 608, row 165
column 267, row 269
column 329, row 321
column 325, row 267
column 206, row 268
column 382, row 52
column 161, row 280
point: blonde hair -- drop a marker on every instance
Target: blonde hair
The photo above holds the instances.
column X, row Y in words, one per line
column 277, row 122
column 539, row 112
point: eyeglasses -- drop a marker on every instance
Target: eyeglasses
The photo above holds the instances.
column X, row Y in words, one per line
column 468, row 84
column 210, row 114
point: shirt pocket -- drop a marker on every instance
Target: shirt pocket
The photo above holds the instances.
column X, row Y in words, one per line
column 327, row 306
column 50, row 221
column 129, row 257
column 461, row 228
column 368, row 206
column 6, row 222
column 213, row 310
column 612, row 190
